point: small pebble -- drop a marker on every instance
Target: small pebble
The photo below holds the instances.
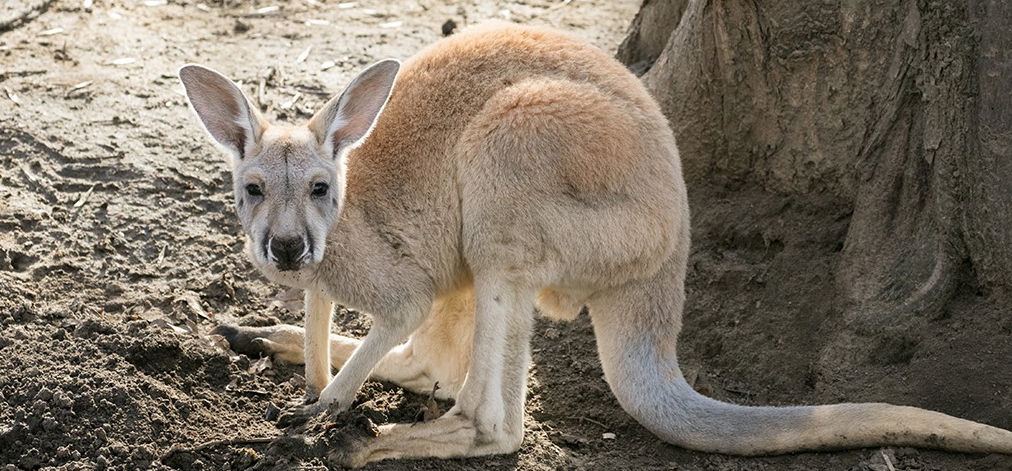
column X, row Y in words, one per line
column 608, row 436
column 448, row 27
column 272, row 412
column 240, row 27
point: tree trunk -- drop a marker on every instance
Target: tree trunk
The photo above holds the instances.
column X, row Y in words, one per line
column 897, row 109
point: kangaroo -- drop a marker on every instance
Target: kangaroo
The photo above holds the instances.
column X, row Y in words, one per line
column 500, row 170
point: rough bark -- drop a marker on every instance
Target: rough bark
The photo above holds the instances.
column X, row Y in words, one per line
column 899, row 109
column 987, row 227
column 649, row 33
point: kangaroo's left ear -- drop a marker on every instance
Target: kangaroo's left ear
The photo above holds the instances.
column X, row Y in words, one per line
column 347, row 119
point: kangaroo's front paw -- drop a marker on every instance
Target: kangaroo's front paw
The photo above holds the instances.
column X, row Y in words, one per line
column 300, row 414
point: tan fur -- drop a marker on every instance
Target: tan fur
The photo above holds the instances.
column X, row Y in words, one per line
column 511, row 166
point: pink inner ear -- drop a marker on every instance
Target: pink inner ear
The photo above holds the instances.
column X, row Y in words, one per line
column 358, row 110
column 228, row 133
column 349, row 130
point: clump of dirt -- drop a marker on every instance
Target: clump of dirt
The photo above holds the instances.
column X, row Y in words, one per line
column 119, row 253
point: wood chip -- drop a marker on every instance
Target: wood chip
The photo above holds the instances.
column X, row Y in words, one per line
column 345, row 5
column 13, row 96
column 392, row 24
column 155, row 3
column 313, row 3
column 51, row 32
column 203, row 7
column 888, row 462
column 262, row 87
column 192, row 301
column 84, row 198
column 304, row 55
column 608, row 436
column 290, row 103
column 28, row 173
column 327, row 65
column 267, row 10
column 78, row 86
column 123, row 61
column 315, row 22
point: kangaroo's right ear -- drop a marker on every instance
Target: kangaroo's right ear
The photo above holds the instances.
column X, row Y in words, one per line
column 223, row 109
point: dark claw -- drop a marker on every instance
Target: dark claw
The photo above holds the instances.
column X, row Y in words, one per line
column 298, row 415
column 244, row 339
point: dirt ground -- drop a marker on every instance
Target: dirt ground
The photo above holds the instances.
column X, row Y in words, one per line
column 119, row 252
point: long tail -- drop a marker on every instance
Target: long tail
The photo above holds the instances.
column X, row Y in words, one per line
column 636, row 328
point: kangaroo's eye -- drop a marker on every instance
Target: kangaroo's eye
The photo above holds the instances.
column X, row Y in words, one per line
column 254, row 190
column 320, row 189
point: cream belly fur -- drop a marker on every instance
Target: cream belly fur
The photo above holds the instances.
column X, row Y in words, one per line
column 499, row 170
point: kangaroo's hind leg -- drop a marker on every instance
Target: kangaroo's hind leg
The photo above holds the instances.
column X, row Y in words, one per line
column 438, row 351
column 488, row 416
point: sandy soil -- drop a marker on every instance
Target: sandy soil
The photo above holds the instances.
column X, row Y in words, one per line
column 119, row 252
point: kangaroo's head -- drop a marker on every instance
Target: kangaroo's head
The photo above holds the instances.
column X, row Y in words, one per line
column 288, row 180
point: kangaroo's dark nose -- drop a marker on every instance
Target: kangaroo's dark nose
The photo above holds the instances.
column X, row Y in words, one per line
column 288, row 252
